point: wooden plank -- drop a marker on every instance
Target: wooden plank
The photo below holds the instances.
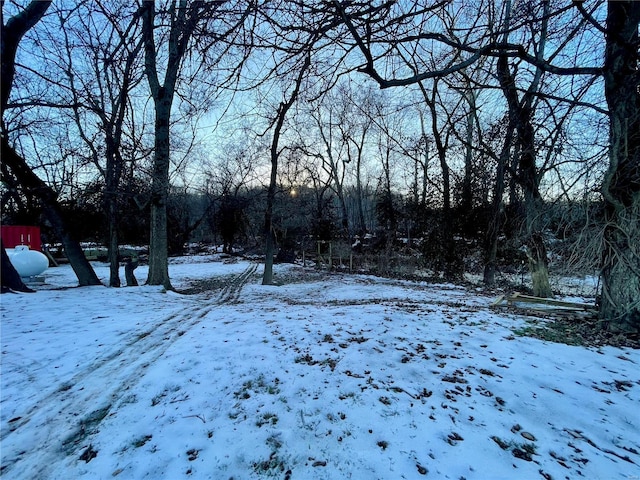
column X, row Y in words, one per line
column 498, row 301
column 518, row 297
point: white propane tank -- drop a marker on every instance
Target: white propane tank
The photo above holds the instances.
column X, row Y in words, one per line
column 28, row 263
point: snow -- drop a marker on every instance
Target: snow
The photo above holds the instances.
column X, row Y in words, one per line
column 327, row 376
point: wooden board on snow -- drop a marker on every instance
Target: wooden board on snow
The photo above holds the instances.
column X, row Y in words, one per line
column 543, row 303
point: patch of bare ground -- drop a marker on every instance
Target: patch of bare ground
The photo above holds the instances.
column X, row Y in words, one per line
column 216, row 284
column 212, row 284
column 577, row 330
column 301, row 275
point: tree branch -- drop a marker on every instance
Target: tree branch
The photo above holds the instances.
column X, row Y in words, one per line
column 11, row 34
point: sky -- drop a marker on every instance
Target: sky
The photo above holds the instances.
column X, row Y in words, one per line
column 323, row 376
column 234, row 117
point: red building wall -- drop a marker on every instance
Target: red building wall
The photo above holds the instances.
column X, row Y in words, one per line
column 13, row 235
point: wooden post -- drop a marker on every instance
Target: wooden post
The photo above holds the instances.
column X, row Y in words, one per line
column 52, row 261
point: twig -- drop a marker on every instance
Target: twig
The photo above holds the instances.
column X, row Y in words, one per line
column 201, row 417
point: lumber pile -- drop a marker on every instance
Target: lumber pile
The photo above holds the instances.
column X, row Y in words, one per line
column 545, row 305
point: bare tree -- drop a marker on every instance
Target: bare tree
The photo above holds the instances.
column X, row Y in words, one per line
column 452, row 264
column 334, row 161
column 275, row 151
column 497, row 206
column 102, row 49
column 356, row 123
column 620, row 303
column 405, row 28
column 213, row 31
column 183, row 18
column 344, row 127
column 521, row 113
column 16, row 27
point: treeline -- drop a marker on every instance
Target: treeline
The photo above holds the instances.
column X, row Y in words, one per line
column 235, row 223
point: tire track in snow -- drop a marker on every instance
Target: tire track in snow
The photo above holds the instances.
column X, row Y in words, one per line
column 60, row 422
column 231, row 293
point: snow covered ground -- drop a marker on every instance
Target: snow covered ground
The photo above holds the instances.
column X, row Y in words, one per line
column 326, row 376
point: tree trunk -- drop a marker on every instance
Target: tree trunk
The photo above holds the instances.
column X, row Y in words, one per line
column 386, row 209
column 269, row 233
column 362, row 224
column 495, row 223
column 533, row 205
column 113, row 246
column 466, row 200
column 270, row 240
column 620, row 302
column 520, row 115
column 158, row 241
column 33, row 185
column 112, row 181
column 453, row 265
column 538, row 266
column 345, row 213
column 115, row 166
column 184, row 19
column 9, row 278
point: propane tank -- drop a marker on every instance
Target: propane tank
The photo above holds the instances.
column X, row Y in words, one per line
column 28, row 263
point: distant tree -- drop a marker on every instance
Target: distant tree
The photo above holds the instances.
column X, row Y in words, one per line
column 387, row 205
column 359, row 114
column 452, row 263
column 333, row 161
column 318, row 186
column 467, row 197
column 227, row 189
column 186, row 212
column 230, row 220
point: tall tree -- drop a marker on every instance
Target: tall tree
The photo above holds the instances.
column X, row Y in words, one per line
column 620, row 303
column 452, row 264
column 183, row 18
column 275, row 151
column 497, row 205
column 102, row 49
column 334, row 162
column 14, row 30
column 521, row 114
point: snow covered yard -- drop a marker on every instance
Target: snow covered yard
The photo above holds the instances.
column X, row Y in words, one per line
column 323, row 377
